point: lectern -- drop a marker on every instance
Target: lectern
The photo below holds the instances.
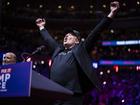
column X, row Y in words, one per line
column 19, row 82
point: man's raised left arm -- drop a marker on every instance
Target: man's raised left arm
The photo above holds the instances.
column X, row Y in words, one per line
column 95, row 33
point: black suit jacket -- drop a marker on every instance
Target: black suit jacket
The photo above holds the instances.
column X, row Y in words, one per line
column 87, row 74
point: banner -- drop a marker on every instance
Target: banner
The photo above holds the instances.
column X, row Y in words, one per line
column 15, row 80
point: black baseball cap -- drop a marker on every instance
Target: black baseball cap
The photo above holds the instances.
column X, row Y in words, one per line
column 73, row 32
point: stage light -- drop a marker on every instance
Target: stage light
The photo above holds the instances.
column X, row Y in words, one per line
column 129, row 49
column 104, row 83
column 95, row 65
column 108, row 71
column 123, row 101
column 101, row 73
column 104, row 6
column 8, row 3
column 91, row 6
column 34, row 66
column 91, row 12
column 35, row 62
column 116, row 68
column 112, row 31
column 42, row 62
column 124, row 4
column 72, row 7
column 138, row 3
column 82, row 39
column 40, row 6
column 59, row 6
column 27, row 5
column 137, row 68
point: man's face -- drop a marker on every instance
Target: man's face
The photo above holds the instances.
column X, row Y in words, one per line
column 70, row 40
column 9, row 58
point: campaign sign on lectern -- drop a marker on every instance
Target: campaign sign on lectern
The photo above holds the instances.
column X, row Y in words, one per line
column 15, row 79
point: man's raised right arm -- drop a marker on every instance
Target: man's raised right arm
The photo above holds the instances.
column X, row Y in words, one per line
column 45, row 34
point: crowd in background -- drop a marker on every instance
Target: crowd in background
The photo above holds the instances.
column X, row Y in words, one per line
column 121, row 88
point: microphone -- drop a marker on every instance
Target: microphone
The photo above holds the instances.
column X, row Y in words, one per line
column 38, row 49
column 27, row 56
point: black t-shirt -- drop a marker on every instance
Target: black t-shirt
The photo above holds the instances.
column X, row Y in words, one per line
column 64, row 71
